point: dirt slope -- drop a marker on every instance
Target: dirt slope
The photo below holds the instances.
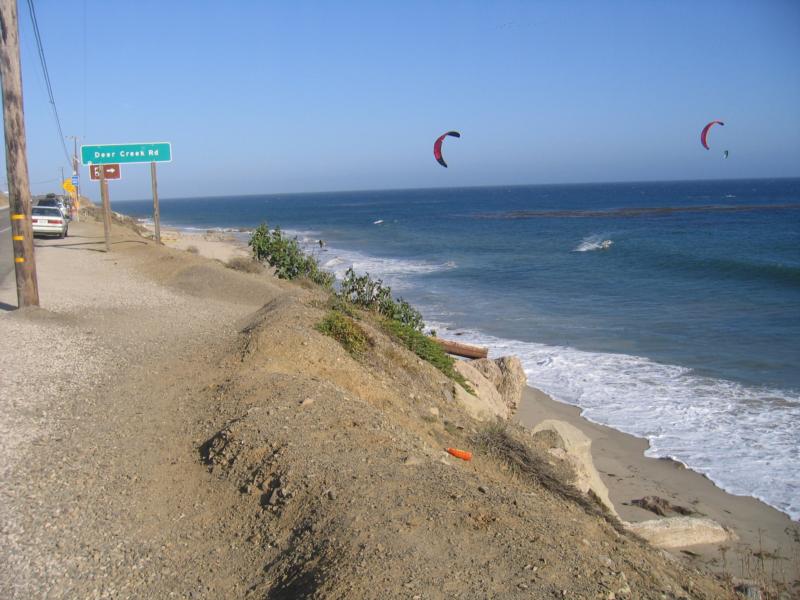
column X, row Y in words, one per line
column 343, row 461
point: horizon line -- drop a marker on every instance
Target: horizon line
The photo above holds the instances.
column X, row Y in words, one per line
column 462, row 187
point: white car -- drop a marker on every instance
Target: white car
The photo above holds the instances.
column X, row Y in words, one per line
column 48, row 220
column 56, row 202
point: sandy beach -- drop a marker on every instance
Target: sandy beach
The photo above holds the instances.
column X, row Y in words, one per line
column 212, row 244
column 630, row 475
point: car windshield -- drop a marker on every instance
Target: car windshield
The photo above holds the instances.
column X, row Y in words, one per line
column 46, row 212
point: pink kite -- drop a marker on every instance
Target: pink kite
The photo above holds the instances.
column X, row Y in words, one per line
column 704, row 133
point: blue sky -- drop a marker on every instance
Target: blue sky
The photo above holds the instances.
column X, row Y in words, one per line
column 261, row 97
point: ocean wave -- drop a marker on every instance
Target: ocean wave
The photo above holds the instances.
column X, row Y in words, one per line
column 593, row 242
column 214, row 229
column 395, row 272
column 745, row 439
column 148, row 221
column 304, row 236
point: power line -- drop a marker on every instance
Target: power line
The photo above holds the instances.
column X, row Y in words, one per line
column 84, row 69
column 49, row 86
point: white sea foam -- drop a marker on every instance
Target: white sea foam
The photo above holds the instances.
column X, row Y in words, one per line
column 745, row 439
column 148, row 221
column 393, row 271
column 593, row 242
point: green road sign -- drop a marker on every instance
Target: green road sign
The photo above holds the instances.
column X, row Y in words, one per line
column 126, row 153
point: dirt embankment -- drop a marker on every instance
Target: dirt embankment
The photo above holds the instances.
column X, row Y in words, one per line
column 221, row 451
column 343, row 460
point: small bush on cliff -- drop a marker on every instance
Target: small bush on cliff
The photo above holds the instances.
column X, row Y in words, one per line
column 345, row 331
column 371, row 294
column 504, row 443
column 241, row 263
column 286, row 257
column 424, row 347
column 496, row 441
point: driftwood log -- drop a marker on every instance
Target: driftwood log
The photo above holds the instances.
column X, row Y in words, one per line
column 459, row 349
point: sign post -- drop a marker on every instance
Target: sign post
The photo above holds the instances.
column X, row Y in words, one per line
column 106, row 209
column 111, row 155
column 156, row 210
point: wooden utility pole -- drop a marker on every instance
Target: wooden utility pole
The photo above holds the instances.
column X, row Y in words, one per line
column 19, row 193
column 76, row 171
column 156, row 210
column 106, row 208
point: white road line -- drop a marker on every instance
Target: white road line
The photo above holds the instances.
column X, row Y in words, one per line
column 6, row 229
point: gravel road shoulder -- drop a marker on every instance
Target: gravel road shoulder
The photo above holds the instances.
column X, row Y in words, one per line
column 102, row 493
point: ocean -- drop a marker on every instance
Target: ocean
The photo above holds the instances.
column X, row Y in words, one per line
column 667, row 310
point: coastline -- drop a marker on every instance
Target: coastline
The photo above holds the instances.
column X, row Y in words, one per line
column 536, row 404
column 198, row 389
column 619, row 458
column 629, row 474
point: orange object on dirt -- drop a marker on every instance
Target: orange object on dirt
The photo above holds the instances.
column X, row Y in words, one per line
column 462, row 454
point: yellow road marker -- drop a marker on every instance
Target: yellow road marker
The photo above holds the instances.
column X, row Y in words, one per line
column 18, row 238
column 19, row 259
column 17, row 217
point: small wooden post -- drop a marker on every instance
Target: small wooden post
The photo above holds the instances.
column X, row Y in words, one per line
column 19, row 194
column 106, row 208
column 156, row 210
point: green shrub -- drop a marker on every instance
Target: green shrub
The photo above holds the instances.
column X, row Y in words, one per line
column 317, row 275
column 339, row 304
column 345, row 331
column 424, row 347
column 286, row 257
column 371, row 294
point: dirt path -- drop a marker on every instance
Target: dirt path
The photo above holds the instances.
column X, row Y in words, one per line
column 103, row 494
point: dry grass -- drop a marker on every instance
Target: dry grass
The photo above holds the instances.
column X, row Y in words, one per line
column 192, row 250
column 247, row 265
column 498, row 442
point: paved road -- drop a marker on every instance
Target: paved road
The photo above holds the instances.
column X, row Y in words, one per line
column 6, row 249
